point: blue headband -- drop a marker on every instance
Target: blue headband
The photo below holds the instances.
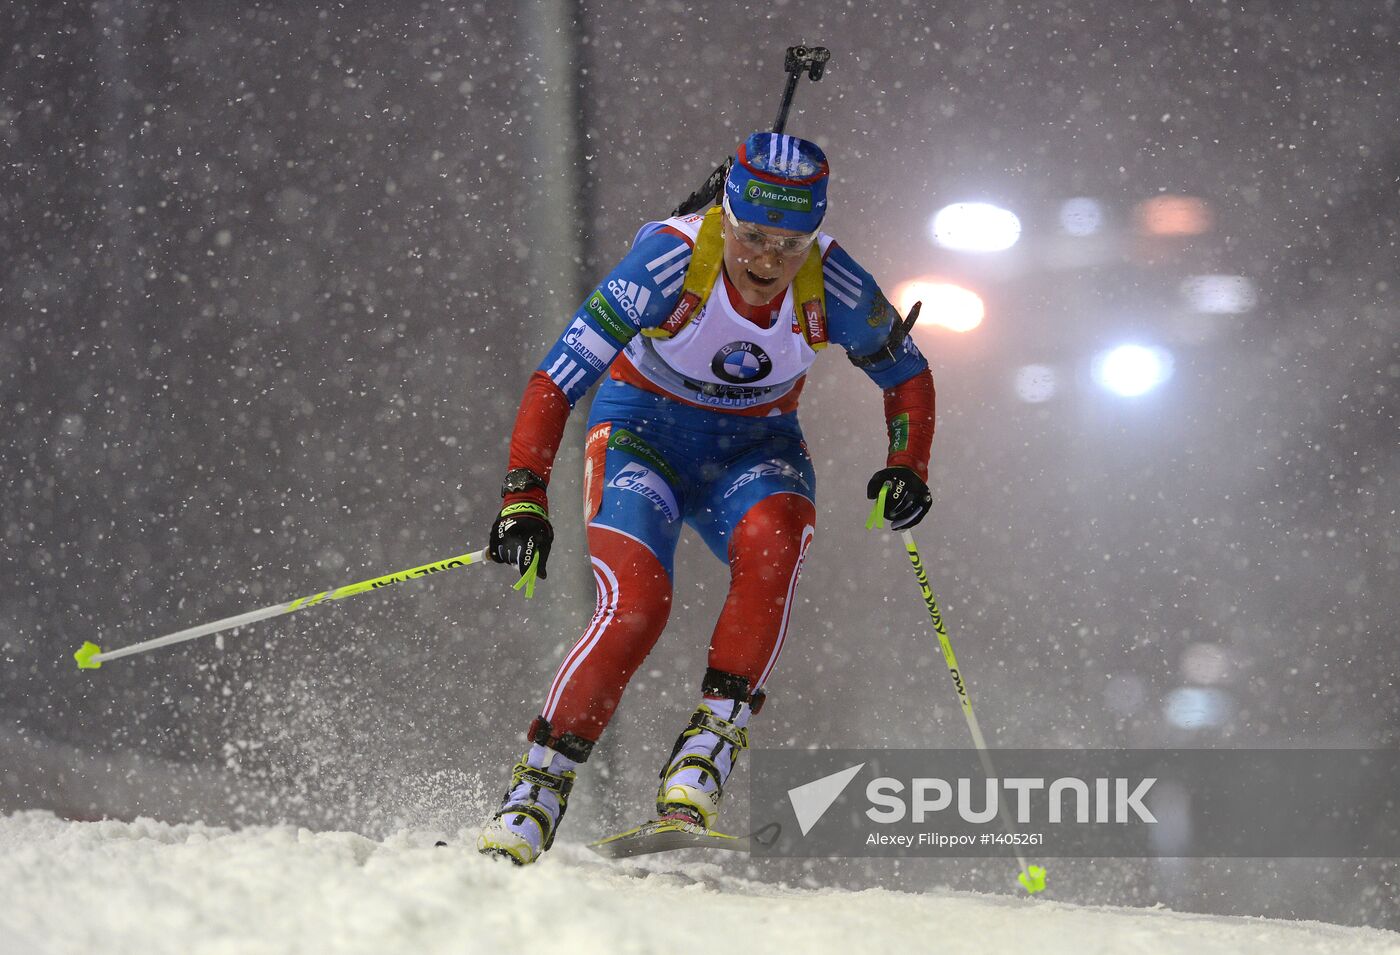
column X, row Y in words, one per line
column 778, row 180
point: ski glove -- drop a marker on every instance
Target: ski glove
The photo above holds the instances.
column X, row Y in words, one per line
column 521, row 531
column 909, row 498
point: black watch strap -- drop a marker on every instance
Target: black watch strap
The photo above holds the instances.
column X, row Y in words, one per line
column 521, row 479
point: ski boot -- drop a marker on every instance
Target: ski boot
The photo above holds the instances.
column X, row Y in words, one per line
column 692, row 781
column 534, row 805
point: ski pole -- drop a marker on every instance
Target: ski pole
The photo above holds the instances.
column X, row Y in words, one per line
column 90, row 656
column 1031, row 877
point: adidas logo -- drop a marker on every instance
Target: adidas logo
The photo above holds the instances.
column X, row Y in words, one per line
column 631, row 297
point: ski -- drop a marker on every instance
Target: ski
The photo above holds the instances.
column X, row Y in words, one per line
column 666, row 835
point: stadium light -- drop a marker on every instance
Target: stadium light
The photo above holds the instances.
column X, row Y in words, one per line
column 946, row 305
column 1036, row 383
column 1197, row 707
column 975, row 227
column 1174, row 216
column 1132, row 370
column 1081, row 216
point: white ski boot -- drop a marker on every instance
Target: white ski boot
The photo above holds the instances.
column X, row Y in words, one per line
column 524, row 826
column 692, row 781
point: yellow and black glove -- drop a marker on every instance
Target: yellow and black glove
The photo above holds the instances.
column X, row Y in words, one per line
column 520, row 532
column 909, row 499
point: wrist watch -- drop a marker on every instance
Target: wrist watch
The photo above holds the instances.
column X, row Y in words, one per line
column 521, row 479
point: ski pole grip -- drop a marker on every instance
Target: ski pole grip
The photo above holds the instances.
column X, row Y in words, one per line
column 877, row 513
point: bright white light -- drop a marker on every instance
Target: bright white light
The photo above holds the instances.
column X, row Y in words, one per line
column 1196, row 707
column 1080, row 217
column 1132, row 370
column 1219, row 294
column 951, row 306
column 1035, row 383
column 976, row 227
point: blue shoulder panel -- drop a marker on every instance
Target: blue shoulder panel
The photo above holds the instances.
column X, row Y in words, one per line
column 638, row 293
column 860, row 319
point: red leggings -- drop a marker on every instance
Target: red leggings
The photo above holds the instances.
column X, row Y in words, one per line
column 766, row 551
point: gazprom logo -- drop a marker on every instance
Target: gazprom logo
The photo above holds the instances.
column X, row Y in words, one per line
column 593, row 348
column 650, row 485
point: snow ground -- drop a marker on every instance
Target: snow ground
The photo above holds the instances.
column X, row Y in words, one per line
column 148, row 887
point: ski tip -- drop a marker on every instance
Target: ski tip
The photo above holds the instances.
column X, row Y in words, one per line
column 1032, row 879
column 85, row 655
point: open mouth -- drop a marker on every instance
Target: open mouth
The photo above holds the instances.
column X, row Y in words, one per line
column 759, row 280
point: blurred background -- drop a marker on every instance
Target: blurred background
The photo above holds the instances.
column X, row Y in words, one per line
column 272, row 277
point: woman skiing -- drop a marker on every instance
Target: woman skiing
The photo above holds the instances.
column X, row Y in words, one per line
column 706, row 330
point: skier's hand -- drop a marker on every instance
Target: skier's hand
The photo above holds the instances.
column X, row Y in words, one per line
column 909, row 498
column 521, row 531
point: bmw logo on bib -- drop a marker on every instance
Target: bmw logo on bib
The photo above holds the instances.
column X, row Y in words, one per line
column 741, row 363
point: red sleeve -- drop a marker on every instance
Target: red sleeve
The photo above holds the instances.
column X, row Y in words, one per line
column 910, row 440
column 539, row 427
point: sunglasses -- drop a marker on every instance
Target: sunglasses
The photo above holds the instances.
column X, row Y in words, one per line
column 748, row 236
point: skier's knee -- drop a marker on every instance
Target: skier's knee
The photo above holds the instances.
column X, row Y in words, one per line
column 773, row 530
column 633, row 586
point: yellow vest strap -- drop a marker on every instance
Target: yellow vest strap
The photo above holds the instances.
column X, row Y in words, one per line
column 809, row 296
column 809, row 287
column 705, row 261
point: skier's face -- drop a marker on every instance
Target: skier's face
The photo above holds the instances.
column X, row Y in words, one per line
column 762, row 261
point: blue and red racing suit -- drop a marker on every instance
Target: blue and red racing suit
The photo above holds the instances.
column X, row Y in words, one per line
column 699, row 428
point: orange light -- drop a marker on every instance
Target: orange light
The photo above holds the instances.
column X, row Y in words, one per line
column 945, row 305
column 1174, row 215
